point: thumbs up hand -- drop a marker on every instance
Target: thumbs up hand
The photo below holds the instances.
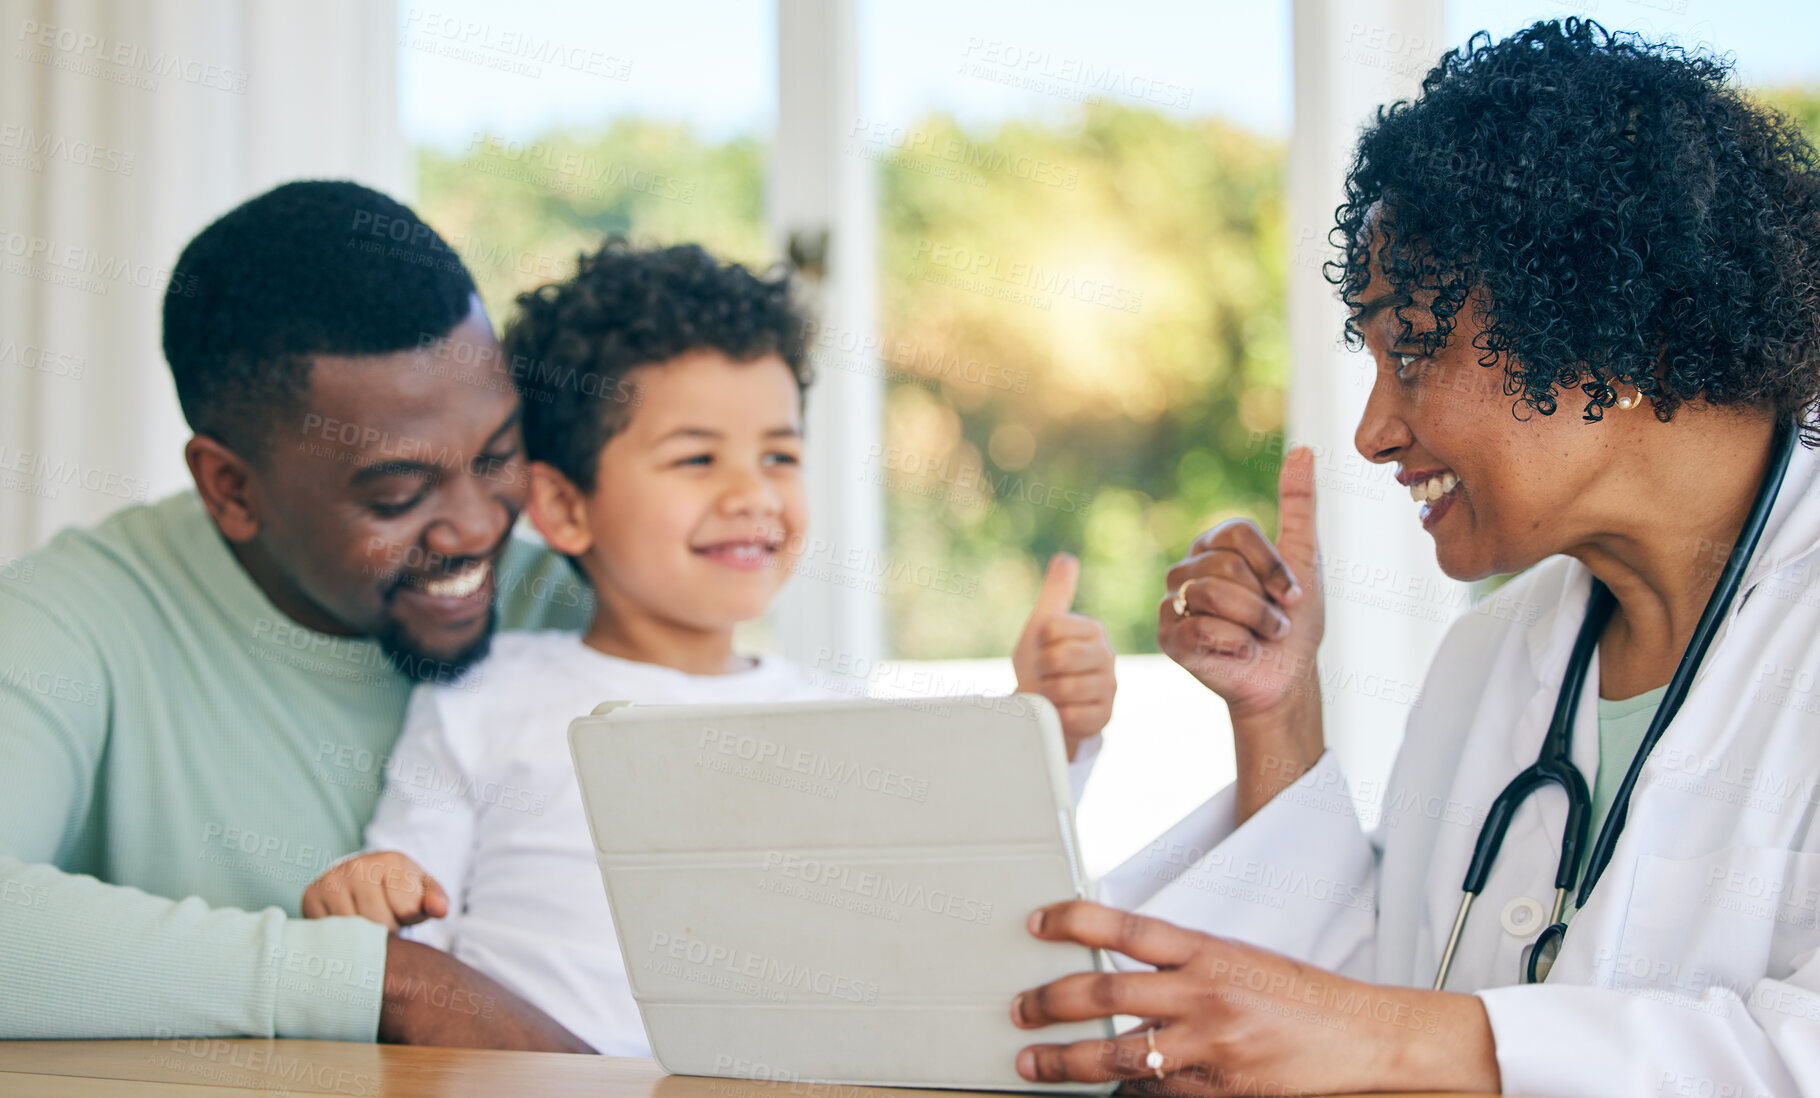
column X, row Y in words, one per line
column 1064, row 657
column 1244, row 616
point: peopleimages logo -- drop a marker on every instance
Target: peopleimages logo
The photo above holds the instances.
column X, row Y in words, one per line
column 48, row 473
column 511, row 49
column 873, row 885
column 57, row 261
column 1064, row 75
column 571, row 170
column 85, row 52
column 691, row 958
column 995, row 269
column 422, row 776
column 34, row 149
column 765, row 754
column 53, row 363
column 915, row 141
column 845, row 349
column 969, row 477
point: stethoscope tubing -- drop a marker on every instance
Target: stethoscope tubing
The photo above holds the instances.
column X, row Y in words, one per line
column 1554, row 764
column 1730, row 580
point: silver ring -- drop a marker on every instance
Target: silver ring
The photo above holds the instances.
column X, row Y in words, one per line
column 1154, row 1061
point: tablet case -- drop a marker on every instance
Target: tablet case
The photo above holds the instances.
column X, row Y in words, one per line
column 836, row 892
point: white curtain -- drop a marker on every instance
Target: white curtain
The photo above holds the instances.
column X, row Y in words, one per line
column 125, row 127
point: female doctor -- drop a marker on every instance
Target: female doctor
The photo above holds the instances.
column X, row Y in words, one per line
column 1588, row 271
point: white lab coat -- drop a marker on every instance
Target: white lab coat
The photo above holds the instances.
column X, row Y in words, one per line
column 1693, row 968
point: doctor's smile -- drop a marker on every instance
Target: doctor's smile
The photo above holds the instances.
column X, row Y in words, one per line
column 1434, row 491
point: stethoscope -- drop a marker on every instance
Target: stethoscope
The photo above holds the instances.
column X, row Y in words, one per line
column 1554, row 766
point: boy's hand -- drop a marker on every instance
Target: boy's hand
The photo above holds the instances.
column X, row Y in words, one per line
column 1064, row 657
column 386, row 888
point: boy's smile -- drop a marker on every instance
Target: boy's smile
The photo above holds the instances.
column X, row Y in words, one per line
column 745, row 554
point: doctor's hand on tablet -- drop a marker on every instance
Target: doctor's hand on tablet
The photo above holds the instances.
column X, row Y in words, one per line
column 384, row 887
column 1226, row 1018
column 1244, row 616
column 1065, row 657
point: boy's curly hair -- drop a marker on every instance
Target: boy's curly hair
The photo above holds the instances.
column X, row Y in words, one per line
column 1628, row 217
column 571, row 344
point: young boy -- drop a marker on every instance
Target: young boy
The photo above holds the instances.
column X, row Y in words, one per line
column 663, row 416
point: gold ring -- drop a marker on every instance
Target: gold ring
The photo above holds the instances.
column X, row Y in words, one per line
column 1181, row 597
column 1154, row 1061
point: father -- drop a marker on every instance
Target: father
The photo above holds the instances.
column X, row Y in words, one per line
column 198, row 697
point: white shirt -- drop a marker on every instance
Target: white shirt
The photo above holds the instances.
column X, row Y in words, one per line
column 481, row 793
column 1693, row 968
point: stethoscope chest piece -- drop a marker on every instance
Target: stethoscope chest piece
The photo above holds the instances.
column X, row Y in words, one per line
column 1522, row 917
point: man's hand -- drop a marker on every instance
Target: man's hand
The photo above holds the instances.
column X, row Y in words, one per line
column 1064, row 657
column 385, row 887
column 433, row 999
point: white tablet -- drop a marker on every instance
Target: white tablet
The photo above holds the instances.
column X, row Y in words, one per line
column 835, row 892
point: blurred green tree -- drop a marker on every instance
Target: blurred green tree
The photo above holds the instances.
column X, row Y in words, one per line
column 1083, row 327
column 1801, row 103
column 1127, row 278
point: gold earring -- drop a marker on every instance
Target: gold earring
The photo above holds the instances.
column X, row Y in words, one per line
column 1626, row 403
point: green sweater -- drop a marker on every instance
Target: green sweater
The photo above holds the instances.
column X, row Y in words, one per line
column 178, row 760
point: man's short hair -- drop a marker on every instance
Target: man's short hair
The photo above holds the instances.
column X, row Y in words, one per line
column 571, row 344
column 309, row 268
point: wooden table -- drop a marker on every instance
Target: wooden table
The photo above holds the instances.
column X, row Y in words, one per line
column 266, row 1068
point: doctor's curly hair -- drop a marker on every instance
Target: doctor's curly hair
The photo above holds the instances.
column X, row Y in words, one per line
column 1621, row 214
